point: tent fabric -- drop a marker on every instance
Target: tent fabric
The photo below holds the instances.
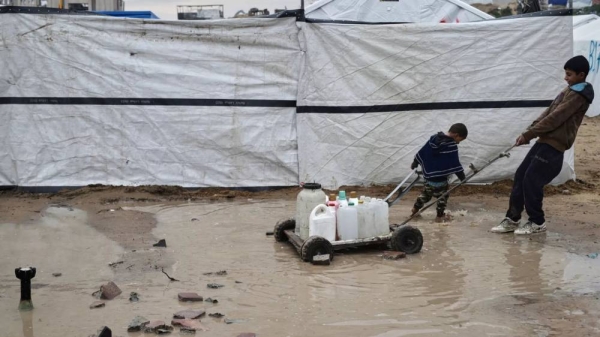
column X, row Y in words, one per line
column 371, row 66
column 94, row 99
column 586, row 42
column 129, row 143
column 422, row 11
column 579, row 20
column 130, row 14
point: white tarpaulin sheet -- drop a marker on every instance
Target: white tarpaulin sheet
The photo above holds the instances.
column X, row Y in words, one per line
column 212, row 103
column 419, row 11
column 586, row 42
column 136, row 141
column 366, row 68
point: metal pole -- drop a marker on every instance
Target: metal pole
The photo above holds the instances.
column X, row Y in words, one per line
column 25, row 275
column 302, row 4
column 473, row 169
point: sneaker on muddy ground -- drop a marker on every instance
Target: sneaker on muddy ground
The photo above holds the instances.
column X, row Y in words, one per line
column 506, row 226
column 530, row 228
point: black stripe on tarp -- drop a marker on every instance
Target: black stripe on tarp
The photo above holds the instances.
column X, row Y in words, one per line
column 148, row 101
column 425, row 106
column 273, row 103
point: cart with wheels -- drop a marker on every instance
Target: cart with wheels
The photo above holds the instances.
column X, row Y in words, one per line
column 404, row 238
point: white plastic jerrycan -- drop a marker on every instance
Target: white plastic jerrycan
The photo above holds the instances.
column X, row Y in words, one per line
column 347, row 222
column 322, row 223
column 381, row 224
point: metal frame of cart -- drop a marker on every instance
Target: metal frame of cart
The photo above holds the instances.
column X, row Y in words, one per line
column 404, row 238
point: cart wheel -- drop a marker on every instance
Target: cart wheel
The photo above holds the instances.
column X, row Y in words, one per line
column 316, row 245
column 282, row 226
column 407, row 239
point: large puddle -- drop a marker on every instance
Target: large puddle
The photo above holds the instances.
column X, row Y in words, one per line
column 460, row 284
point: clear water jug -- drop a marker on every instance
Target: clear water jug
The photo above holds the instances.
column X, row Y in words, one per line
column 310, row 197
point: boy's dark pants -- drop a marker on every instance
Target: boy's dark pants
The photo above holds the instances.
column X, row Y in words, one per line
column 541, row 165
column 433, row 191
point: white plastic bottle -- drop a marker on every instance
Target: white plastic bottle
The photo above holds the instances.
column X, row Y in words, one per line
column 322, row 223
column 353, row 198
column 342, row 199
column 363, row 217
column 310, row 197
column 347, row 224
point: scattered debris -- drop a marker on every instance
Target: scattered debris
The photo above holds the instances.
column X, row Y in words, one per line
column 129, row 267
column 216, row 315
column 247, row 334
column 161, row 243
column 270, row 233
column 566, row 192
column 185, row 330
column 194, row 219
column 134, row 297
column 103, row 332
column 109, row 291
column 213, row 301
column 231, row 321
column 189, row 297
column 214, row 286
column 170, row 278
column 592, row 255
column 189, row 324
column 189, row 314
column 238, row 282
column 97, row 293
column 109, row 210
column 57, row 274
column 97, row 304
column 137, row 324
column 114, row 264
column 158, row 327
column 321, row 260
column 219, row 273
column 393, row 255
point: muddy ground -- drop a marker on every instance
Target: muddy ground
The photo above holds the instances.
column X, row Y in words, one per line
column 465, row 282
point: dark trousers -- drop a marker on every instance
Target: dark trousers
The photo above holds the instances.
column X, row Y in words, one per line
column 541, row 165
column 429, row 192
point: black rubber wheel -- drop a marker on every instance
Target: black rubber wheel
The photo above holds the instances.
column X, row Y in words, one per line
column 407, row 239
column 282, row 226
column 316, row 245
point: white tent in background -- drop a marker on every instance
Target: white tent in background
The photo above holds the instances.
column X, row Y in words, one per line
column 586, row 42
column 580, row 20
column 423, row 11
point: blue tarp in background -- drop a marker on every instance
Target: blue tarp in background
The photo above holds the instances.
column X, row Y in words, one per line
column 130, row 14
